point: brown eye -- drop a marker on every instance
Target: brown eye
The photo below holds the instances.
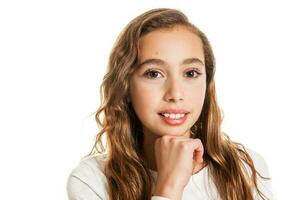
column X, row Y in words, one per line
column 193, row 74
column 152, row 74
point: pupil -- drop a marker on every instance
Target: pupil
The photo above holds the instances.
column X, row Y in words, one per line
column 153, row 74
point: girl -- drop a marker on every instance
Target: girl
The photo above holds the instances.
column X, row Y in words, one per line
column 162, row 123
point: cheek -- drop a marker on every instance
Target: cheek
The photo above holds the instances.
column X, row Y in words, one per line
column 144, row 98
column 196, row 96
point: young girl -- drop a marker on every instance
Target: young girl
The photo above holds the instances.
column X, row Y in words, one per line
column 162, row 122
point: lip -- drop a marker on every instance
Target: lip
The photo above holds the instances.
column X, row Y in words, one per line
column 175, row 111
column 174, row 122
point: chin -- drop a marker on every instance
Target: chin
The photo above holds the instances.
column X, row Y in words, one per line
column 173, row 133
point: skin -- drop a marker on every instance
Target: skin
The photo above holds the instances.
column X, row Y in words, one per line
column 169, row 149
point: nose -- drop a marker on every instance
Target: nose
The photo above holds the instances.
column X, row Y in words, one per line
column 174, row 91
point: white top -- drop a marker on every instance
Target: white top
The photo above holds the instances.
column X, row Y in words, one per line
column 88, row 182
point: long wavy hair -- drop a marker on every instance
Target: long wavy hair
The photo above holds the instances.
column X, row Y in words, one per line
column 128, row 175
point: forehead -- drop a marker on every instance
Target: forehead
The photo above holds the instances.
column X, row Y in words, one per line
column 172, row 45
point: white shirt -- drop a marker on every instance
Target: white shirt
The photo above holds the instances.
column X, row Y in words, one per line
column 88, row 182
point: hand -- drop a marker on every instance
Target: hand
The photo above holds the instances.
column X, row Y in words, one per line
column 175, row 158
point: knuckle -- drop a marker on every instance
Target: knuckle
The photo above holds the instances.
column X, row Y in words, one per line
column 198, row 140
column 183, row 146
column 173, row 140
column 164, row 139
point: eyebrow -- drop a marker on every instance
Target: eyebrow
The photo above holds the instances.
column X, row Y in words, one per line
column 156, row 61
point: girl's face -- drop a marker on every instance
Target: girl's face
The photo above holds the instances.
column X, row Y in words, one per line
column 171, row 78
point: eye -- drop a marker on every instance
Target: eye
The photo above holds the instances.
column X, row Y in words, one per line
column 152, row 74
column 193, row 73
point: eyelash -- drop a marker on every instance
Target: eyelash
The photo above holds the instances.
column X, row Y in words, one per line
column 146, row 74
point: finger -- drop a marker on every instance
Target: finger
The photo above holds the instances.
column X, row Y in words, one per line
column 176, row 136
column 175, row 139
column 196, row 144
column 198, row 150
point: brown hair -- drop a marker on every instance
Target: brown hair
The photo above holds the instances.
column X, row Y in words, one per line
column 126, row 170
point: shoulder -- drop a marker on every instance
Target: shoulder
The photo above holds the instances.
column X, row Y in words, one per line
column 262, row 168
column 259, row 162
column 87, row 180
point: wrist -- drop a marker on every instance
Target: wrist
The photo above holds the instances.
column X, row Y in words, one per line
column 169, row 191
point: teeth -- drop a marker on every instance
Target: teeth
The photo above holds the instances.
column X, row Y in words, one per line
column 173, row 115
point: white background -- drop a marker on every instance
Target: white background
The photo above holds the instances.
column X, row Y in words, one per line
column 53, row 55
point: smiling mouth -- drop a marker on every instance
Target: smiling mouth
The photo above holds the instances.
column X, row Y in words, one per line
column 173, row 115
column 174, row 120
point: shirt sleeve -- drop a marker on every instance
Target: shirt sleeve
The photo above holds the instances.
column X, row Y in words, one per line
column 159, row 198
column 79, row 190
column 87, row 180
